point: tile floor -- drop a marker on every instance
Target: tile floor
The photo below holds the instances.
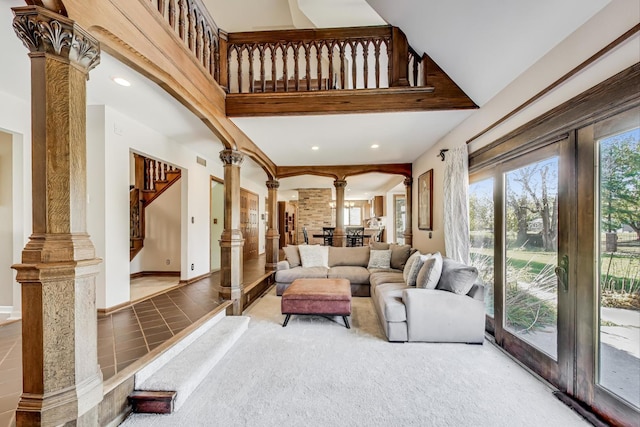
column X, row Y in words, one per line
column 145, row 286
column 125, row 335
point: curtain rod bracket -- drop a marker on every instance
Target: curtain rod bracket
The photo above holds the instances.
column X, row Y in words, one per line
column 441, row 155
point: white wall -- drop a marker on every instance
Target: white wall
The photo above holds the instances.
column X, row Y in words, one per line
column 603, row 28
column 217, row 214
column 161, row 251
column 109, row 151
column 6, row 223
column 15, row 119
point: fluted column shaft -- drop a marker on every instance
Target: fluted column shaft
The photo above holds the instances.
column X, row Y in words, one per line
column 339, row 233
column 231, row 240
column 408, row 230
column 273, row 235
column 62, row 382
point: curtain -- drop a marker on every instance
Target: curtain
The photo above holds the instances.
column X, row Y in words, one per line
column 456, row 204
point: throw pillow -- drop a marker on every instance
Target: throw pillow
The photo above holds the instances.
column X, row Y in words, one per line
column 380, row 259
column 314, row 256
column 379, row 246
column 399, row 255
column 409, row 264
column 429, row 274
column 292, row 255
column 457, row 277
column 415, row 269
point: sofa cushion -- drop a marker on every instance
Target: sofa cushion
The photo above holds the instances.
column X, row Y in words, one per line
column 407, row 266
column 457, row 277
column 288, row 276
column 389, row 299
column 429, row 274
column 382, row 277
column 314, row 256
column 380, row 259
column 292, row 255
column 399, row 255
column 342, row 256
column 356, row 275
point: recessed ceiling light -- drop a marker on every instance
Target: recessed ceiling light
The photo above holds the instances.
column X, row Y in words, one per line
column 315, row 148
column 375, row 146
column 121, row 81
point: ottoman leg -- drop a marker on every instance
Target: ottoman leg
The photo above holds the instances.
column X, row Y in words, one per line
column 346, row 322
column 286, row 320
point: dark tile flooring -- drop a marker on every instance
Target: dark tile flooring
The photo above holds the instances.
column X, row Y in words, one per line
column 125, row 335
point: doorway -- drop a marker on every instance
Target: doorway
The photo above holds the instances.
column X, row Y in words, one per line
column 399, row 217
column 216, row 221
column 6, row 226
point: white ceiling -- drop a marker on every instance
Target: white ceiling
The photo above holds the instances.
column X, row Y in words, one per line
column 483, row 46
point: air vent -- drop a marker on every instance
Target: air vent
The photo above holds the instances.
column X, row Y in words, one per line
column 201, row 161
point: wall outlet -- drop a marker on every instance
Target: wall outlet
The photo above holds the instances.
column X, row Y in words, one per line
column 193, row 267
column 168, row 261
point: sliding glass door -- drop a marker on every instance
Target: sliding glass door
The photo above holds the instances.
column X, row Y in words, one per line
column 608, row 352
column 555, row 234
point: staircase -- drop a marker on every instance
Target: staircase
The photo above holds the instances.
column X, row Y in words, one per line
column 152, row 178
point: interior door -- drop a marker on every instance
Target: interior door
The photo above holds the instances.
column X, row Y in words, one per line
column 249, row 223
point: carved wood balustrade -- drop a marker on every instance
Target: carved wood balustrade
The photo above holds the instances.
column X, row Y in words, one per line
column 319, row 59
column 197, row 29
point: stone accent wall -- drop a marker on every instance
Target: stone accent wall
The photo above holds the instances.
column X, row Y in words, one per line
column 314, row 211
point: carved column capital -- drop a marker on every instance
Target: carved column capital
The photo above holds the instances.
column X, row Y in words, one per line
column 273, row 184
column 408, row 181
column 44, row 31
column 340, row 183
column 231, row 157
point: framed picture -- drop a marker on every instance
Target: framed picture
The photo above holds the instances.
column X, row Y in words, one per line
column 425, row 201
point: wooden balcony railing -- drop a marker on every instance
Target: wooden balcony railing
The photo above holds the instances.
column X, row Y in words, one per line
column 197, row 29
column 314, row 59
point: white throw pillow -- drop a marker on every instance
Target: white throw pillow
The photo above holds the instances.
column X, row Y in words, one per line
column 415, row 269
column 429, row 274
column 314, row 256
column 380, row 259
column 408, row 264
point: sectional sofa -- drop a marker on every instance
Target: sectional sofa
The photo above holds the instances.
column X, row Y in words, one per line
column 418, row 297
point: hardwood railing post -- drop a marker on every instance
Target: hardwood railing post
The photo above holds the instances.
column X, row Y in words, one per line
column 399, row 59
column 222, row 61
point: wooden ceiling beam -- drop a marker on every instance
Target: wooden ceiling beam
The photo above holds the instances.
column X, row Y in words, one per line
column 344, row 171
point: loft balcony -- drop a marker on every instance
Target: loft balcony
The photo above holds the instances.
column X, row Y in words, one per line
column 312, row 71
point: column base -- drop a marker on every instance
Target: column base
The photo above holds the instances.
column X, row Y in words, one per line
column 75, row 403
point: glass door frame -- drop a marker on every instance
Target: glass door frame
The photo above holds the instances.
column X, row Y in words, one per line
column 587, row 388
column 560, row 372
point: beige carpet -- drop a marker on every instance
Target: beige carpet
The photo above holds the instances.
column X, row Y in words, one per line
column 315, row 372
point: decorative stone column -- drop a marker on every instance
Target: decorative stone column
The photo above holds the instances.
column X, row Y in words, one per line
column 231, row 240
column 408, row 207
column 61, row 379
column 339, row 233
column 273, row 235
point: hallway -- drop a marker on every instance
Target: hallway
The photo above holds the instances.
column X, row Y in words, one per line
column 127, row 334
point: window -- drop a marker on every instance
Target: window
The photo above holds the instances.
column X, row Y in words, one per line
column 353, row 215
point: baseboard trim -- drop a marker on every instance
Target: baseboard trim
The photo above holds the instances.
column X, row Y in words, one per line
column 580, row 408
column 113, row 308
column 154, row 273
column 195, row 279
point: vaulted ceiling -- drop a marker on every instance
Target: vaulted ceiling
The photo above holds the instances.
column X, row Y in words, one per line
column 483, row 46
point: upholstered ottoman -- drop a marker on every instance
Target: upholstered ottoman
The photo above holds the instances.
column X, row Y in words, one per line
column 330, row 297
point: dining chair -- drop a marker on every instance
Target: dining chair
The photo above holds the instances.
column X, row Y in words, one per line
column 327, row 234
column 355, row 236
